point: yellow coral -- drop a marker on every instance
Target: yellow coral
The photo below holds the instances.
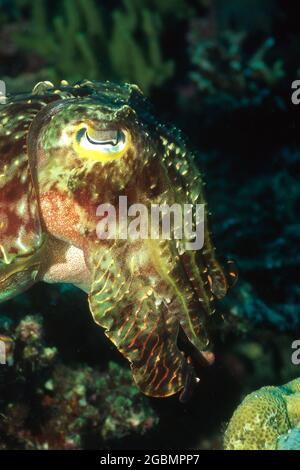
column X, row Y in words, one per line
column 263, row 416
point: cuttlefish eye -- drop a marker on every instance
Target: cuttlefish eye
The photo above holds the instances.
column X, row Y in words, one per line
column 102, row 145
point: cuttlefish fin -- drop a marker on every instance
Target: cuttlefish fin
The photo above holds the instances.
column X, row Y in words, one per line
column 144, row 334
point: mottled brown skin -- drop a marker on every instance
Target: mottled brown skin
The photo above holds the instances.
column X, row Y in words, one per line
column 142, row 292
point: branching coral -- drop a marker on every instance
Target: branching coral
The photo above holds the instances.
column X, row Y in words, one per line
column 263, row 417
column 82, row 40
column 222, row 64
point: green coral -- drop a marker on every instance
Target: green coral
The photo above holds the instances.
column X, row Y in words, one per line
column 68, row 405
column 263, row 417
column 125, row 410
column 84, row 39
column 223, row 65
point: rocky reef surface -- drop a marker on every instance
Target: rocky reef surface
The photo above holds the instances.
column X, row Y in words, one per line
column 49, row 404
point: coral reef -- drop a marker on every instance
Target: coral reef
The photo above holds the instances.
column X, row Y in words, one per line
column 262, row 261
column 263, row 417
column 82, row 40
column 223, row 67
column 290, row 441
column 234, row 60
column 49, row 405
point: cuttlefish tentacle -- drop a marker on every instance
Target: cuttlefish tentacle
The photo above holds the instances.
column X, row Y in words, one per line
column 137, row 321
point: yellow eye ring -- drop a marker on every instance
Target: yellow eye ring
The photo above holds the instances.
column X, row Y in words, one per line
column 101, row 145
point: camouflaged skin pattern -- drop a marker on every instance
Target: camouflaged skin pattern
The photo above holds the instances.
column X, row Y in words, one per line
column 142, row 292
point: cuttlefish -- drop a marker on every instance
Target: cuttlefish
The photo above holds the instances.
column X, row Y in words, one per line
column 63, row 151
